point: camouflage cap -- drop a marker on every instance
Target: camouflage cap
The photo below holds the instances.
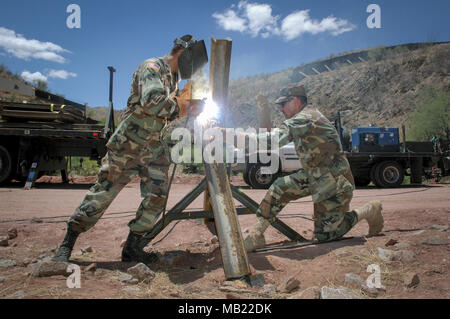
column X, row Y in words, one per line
column 290, row 91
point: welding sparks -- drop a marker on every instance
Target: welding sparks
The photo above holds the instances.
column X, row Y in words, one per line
column 210, row 112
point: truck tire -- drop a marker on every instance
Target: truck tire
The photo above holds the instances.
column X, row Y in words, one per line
column 389, row 174
column 257, row 179
column 5, row 165
column 374, row 175
column 416, row 170
column 362, row 181
column 245, row 175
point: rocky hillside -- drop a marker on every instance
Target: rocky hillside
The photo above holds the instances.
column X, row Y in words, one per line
column 382, row 90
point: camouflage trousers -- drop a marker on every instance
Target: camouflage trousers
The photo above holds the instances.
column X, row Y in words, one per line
column 117, row 170
column 332, row 220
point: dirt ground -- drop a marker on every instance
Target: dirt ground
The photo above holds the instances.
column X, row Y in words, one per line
column 190, row 264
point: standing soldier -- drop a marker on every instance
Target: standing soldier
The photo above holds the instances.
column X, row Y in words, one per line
column 325, row 175
column 136, row 148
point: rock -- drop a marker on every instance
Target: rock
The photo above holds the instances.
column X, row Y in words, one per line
column 391, row 242
column 5, row 263
column 91, row 267
column 4, row 241
column 268, row 289
column 440, row 227
column 26, row 262
column 141, row 272
column 402, row 245
column 434, row 241
column 389, row 255
column 2, row 279
column 411, row 280
column 257, row 280
column 309, row 293
column 125, row 277
column 14, row 245
column 48, row 269
column 214, row 240
column 289, row 285
column 419, row 232
column 385, row 254
column 339, row 293
column 12, row 233
column 174, row 294
column 18, row 294
column 133, row 281
column 87, row 249
column 406, row 256
column 122, row 244
column 36, row 220
column 354, row 279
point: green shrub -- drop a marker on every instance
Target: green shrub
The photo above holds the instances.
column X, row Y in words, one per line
column 431, row 117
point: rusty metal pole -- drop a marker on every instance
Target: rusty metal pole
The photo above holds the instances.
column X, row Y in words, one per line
column 234, row 256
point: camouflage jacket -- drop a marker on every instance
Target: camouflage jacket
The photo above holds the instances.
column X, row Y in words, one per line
column 150, row 105
column 319, row 148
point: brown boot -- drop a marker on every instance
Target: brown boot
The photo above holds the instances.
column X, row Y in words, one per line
column 372, row 213
column 256, row 238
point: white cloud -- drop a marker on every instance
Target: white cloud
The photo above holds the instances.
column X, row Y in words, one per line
column 257, row 20
column 230, row 21
column 22, row 48
column 32, row 77
column 61, row 74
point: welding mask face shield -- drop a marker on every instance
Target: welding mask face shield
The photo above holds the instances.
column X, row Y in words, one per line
column 193, row 58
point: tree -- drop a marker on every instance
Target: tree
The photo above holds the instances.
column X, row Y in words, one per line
column 41, row 85
column 431, row 117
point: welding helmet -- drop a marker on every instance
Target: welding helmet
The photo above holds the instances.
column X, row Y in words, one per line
column 193, row 58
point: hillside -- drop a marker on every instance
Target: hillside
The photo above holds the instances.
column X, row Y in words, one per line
column 382, row 90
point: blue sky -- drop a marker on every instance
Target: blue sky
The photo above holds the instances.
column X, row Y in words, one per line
column 268, row 36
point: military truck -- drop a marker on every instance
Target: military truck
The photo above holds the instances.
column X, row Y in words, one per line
column 37, row 138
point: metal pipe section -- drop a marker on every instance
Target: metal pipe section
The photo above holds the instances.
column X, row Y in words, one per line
column 234, row 256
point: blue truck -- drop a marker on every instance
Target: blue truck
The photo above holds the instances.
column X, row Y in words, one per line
column 375, row 154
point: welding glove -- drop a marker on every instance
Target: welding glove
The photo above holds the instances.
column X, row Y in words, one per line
column 183, row 99
column 196, row 107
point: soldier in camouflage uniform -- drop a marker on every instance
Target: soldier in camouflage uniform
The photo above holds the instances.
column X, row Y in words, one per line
column 135, row 148
column 325, row 175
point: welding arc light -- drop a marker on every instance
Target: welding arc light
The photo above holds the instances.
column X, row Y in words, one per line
column 210, row 111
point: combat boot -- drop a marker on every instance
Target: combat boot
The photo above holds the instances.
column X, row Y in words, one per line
column 64, row 251
column 256, row 238
column 371, row 212
column 134, row 250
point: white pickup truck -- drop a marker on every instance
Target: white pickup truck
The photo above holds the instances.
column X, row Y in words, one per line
column 289, row 162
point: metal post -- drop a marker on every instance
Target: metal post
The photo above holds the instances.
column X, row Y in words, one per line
column 234, row 256
column 110, row 125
